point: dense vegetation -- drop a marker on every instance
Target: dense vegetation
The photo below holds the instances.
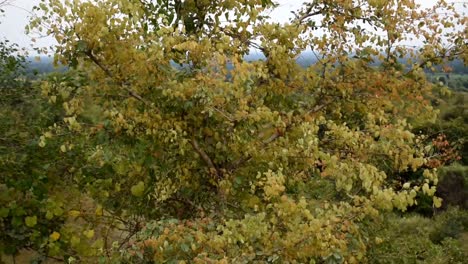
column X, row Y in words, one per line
column 124, row 158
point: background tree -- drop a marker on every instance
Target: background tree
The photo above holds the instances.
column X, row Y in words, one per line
column 11, row 63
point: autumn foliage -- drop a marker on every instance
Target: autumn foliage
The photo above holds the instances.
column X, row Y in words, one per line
column 178, row 149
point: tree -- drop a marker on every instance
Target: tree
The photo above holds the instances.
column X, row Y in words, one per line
column 11, row 63
column 232, row 161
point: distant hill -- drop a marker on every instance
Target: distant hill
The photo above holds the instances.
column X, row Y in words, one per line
column 308, row 58
column 45, row 64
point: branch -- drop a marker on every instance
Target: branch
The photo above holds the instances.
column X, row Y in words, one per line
column 205, row 157
column 4, row 2
column 248, row 42
column 273, row 137
column 232, row 120
column 308, row 14
column 319, row 107
column 236, row 164
column 109, row 74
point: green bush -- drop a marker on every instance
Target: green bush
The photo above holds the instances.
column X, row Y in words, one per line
column 416, row 239
column 11, row 65
column 453, row 186
column 33, row 206
column 452, row 122
column 450, row 224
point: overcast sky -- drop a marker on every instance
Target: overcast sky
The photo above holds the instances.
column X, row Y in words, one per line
column 16, row 17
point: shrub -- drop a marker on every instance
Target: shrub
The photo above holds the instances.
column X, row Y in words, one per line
column 416, row 239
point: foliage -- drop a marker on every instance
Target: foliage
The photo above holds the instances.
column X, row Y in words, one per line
column 225, row 160
column 11, row 65
column 456, row 82
column 453, row 186
column 20, row 191
column 11, row 62
column 33, row 206
column 451, row 224
column 414, row 239
column 452, row 123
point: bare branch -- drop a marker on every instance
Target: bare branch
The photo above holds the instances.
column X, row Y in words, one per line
column 5, row 2
column 307, row 15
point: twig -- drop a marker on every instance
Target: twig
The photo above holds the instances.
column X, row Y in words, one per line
column 308, row 14
column 131, row 233
column 273, row 137
column 318, row 108
column 223, row 114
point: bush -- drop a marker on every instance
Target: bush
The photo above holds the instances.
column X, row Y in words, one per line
column 11, row 65
column 33, row 205
column 450, row 224
column 416, row 239
column 453, row 186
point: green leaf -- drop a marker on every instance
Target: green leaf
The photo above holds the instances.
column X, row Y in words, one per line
column 185, row 247
column 30, row 221
column 4, row 212
column 138, row 189
column 49, row 215
column 81, row 46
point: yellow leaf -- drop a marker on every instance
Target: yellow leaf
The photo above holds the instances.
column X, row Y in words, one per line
column 74, row 213
column 31, row 221
column 437, row 202
column 378, row 240
column 75, row 241
column 138, row 189
column 89, row 234
column 54, row 236
column 49, row 215
column 99, row 210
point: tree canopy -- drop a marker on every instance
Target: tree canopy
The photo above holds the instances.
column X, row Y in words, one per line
column 225, row 160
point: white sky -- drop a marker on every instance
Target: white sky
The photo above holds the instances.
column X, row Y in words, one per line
column 16, row 18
